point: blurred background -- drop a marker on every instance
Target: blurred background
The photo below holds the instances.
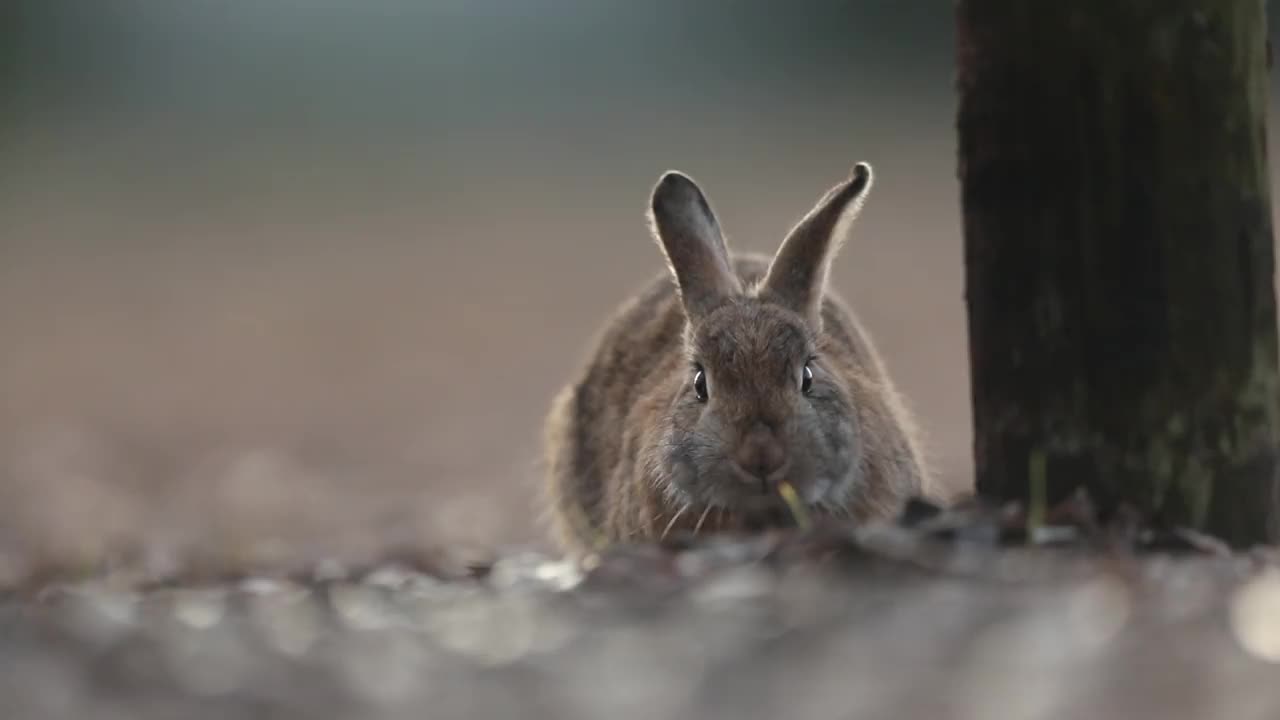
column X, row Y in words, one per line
column 290, row 273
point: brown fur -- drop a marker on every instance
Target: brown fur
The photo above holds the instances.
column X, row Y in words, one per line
column 609, row 432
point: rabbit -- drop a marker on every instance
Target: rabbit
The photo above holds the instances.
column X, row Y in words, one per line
column 723, row 379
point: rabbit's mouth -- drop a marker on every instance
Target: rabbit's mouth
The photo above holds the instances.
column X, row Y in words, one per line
column 757, row 510
column 748, row 492
column 754, row 508
column 737, row 499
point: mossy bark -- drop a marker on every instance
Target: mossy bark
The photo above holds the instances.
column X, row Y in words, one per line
column 1119, row 255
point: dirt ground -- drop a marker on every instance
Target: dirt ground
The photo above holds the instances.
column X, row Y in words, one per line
column 888, row 624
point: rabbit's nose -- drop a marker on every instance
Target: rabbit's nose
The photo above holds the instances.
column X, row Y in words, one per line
column 761, row 456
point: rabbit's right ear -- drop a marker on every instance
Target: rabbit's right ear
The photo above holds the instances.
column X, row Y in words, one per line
column 687, row 230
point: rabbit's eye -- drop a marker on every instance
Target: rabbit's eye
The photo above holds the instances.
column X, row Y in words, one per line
column 700, row 384
column 806, row 379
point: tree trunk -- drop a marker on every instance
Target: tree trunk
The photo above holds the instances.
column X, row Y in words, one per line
column 1119, row 256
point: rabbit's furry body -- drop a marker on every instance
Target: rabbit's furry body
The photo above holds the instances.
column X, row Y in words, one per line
column 701, row 396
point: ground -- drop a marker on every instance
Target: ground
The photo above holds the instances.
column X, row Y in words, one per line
column 941, row 616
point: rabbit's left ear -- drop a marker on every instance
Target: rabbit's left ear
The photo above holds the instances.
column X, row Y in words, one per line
column 687, row 230
column 797, row 276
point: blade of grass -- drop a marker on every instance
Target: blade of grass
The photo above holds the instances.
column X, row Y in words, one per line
column 792, row 499
column 1037, row 476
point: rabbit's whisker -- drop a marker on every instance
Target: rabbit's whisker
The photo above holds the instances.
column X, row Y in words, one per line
column 672, row 523
column 701, row 519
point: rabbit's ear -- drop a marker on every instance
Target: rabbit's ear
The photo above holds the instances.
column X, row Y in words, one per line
column 687, row 230
column 797, row 276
